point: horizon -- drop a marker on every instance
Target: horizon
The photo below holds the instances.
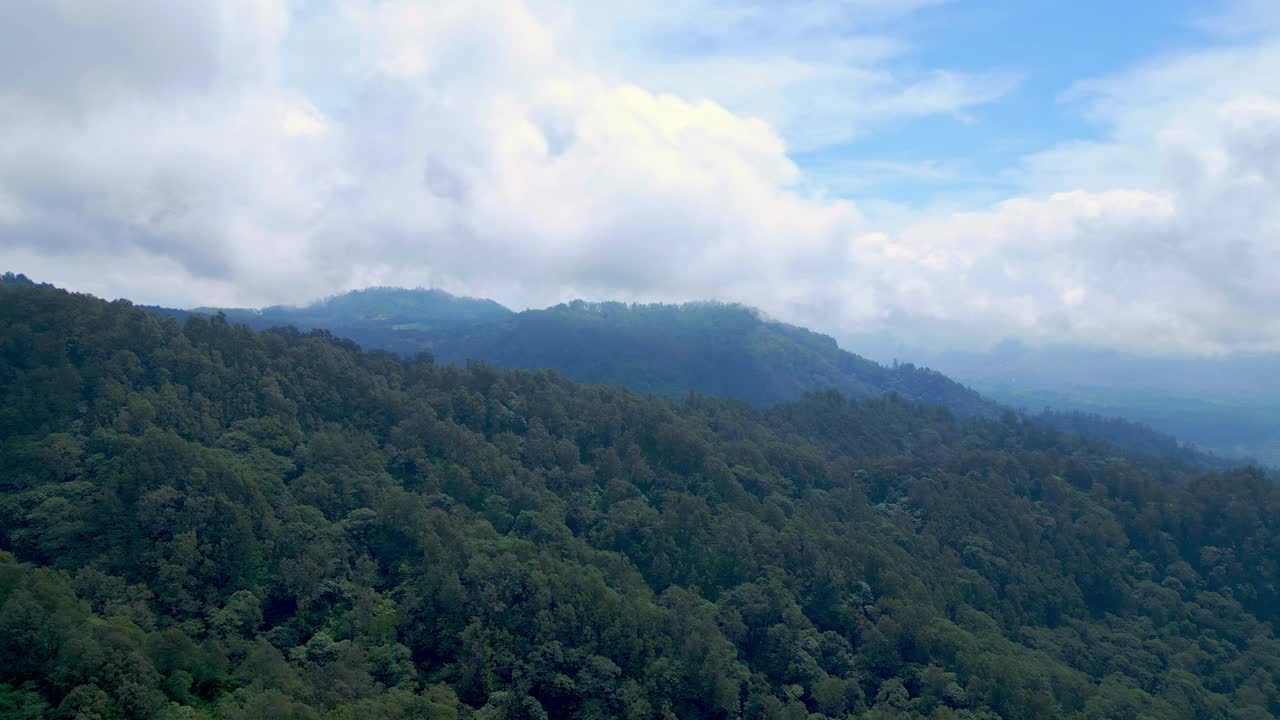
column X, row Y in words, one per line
column 879, row 346
column 1049, row 387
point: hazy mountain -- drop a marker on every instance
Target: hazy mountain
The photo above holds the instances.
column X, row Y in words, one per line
column 395, row 319
column 1229, row 404
column 711, row 348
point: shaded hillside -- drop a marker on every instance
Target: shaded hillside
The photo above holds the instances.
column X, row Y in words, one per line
column 9, row 279
column 395, row 319
column 1136, row 437
column 710, row 348
column 671, row 350
column 1228, row 403
column 202, row 521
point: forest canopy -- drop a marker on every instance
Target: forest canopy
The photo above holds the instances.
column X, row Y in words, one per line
column 203, row 521
column 710, row 348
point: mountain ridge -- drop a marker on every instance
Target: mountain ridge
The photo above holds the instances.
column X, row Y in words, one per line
column 1226, row 403
column 710, row 347
column 723, row 349
column 616, row 337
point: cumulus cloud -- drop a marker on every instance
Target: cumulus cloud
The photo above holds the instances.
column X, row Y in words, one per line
column 277, row 156
column 822, row 73
column 471, row 154
column 1162, row 235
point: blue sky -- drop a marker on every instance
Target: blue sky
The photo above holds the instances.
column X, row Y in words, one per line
column 950, row 172
column 1048, row 47
column 1043, row 48
column 1039, row 50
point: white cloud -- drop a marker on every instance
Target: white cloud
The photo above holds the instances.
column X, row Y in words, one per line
column 1186, row 263
column 821, row 72
column 490, row 149
column 473, row 155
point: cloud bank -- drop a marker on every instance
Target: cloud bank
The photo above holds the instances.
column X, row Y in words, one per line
column 251, row 152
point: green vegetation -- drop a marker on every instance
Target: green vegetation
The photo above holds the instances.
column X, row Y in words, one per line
column 1228, row 404
column 202, row 521
column 1136, row 438
column 710, row 348
column 1231, row 427
column 670, row 350
column 395, row 319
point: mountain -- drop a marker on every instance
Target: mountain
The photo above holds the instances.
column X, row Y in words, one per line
column 715, row 349
column 394, row 319
column 1229, row 404
column 710, row 348
column 201, row 521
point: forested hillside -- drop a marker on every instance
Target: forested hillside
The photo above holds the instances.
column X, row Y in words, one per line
column 709, row 348
column 670, row 350
column 1138, row 438
column 202, row 521
column 1227, row 403
column 396, row 319
column 732, row 351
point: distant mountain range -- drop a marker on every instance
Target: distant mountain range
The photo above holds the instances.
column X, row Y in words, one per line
column 1227, row 403
column 395, row 319
column 709, row 348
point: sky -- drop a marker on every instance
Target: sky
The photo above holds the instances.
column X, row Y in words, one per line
column 952, row 172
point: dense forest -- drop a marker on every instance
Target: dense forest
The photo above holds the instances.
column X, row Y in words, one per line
column 396, row 319
column 1228, row 403
column 1136, row 437
column 203, row 521
column 709, row 348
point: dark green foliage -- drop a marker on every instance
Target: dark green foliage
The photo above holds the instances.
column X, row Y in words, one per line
column 1134, row 436
column 670, row 350
column 395, row 319
column 8, row 279
column 709, row 348
column 204, row 521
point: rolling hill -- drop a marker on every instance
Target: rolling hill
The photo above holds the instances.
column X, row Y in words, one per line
column 710, row 348
column 717, row 349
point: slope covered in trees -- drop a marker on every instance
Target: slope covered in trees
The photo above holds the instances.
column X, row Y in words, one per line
column 670, row 350
column 395, row 319
column 203, row 521
column 1225, row 403
column 709, row 348
column 1137, row 437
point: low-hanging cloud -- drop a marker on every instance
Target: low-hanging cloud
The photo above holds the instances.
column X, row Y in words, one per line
column 479, row 149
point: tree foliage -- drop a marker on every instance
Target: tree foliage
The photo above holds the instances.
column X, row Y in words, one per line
column 203, row 521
